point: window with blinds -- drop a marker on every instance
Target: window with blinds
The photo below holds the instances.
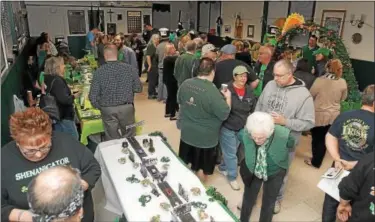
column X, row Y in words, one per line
column 7, row 40
column 3, row 59
column 77, row 22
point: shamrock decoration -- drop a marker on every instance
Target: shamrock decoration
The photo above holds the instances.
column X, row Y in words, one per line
column 196, row 191
column 136, row 165
column 24, row 189
column 199, row 205
column 144, row 199
column 122, row 160
column 125, row 150
column 132, row 179
column 165, row 166
column 155, row 218
column 145, row 182
column 165, row 206
column 202, row 215
column 165, row 159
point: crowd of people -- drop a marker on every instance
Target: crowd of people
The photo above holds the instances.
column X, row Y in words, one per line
column 222, row 101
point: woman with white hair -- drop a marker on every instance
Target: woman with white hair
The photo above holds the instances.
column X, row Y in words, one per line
column 266, row 148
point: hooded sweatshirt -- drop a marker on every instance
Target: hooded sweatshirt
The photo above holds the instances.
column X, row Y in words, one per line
column 294, row 102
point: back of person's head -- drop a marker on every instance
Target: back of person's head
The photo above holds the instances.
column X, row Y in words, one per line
column 206, row 67
column 246, row 45
column 191, row 46
column 334, row 66
column 184, row 39
column 368, row 96
column 203, row 36
column 110, row 52
column 239, row 46
column 303, row 65
column 53, row 65
column 56, row 195
column 199, row 43
column 169, row 49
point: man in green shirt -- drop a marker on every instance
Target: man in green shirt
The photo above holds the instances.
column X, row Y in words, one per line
column 183, row 68
column 307, row 51
column 202, row 111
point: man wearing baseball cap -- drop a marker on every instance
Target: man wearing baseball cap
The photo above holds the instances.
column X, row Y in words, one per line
column 226, row 65
column 209, row 51
column 160, row 51
column 243, row 104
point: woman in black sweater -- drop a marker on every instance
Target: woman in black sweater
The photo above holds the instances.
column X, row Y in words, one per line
column 57, row 87
column 137, row 46
column 102, row 41
column 171, row 106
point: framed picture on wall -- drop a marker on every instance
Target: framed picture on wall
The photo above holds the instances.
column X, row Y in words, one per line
column 134, row 22
column 334, row 20
column 250, row 31
column 227, row 28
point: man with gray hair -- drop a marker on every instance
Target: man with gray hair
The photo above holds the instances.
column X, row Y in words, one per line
column 112, row 92
column 290, row 104
column 184, row 67
column 56, row 195
column 160, row 52
column 200, row 43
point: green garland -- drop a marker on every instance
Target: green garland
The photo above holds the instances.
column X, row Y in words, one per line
column 338, row 48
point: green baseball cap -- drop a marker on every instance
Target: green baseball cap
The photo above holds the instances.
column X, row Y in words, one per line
column 239, row 70
column 323, row 51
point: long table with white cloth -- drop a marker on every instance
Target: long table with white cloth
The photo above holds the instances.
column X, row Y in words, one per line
column 124, row 191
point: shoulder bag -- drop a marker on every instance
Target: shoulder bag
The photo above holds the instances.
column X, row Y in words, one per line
column 49, row 105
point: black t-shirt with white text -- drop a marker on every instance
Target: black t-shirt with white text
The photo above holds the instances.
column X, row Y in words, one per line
column 17, row 171
column 355, row 133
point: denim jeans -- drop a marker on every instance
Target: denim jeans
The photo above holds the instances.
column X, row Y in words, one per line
column 66, row 126
column 162, row 89
column 229, row 144
column 329, row 209
column 283, row 186
column 270, row 189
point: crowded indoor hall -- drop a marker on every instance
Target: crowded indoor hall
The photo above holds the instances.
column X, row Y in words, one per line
column 184, row 111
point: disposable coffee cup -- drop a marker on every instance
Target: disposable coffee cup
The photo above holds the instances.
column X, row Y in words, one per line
column 224, row 87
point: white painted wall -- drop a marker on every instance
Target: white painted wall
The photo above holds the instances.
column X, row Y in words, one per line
column 52, row 17
column 365, row 49
column 277, row 10
column 251, row 14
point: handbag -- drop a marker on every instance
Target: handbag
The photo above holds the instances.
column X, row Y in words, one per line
column 246, row 175
column 49, row 105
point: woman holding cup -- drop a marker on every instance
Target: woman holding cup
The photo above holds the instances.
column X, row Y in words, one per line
column 243, row 103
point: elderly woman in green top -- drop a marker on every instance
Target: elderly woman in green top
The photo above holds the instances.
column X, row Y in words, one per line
column 266, row 148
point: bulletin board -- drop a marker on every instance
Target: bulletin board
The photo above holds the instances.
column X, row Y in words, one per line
column 134, row 22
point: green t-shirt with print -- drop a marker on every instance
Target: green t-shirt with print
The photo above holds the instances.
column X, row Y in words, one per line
column 202, row 111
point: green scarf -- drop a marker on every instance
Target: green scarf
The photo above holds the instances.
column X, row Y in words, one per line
column 260, row 170
column 120, row 56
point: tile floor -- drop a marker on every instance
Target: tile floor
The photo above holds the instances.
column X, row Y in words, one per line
column 303, row 200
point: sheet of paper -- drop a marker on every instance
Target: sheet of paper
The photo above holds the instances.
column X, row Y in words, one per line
column 330, row 186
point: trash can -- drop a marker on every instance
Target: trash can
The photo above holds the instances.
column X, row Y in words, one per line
column 93, row 140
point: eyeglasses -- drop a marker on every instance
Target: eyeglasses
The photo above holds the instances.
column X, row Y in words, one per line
column 32, row 152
